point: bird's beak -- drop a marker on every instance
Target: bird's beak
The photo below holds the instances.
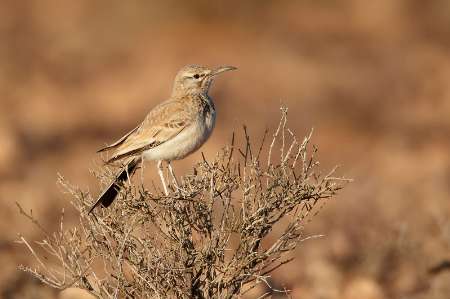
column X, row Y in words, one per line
column 222, row 69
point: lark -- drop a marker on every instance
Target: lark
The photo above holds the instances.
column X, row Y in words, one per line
column 171, row 131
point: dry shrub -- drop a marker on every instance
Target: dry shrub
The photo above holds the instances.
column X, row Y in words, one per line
column 205, row 239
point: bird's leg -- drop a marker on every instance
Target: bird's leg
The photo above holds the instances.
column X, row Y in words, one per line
column 173, row 176
column 161, row 175
column 142, row 171
column 128, row 174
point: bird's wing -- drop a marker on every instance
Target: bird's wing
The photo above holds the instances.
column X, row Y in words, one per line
column 163, row 123
column 118, row 142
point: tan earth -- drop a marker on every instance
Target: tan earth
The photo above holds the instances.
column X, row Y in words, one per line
column 371, row 78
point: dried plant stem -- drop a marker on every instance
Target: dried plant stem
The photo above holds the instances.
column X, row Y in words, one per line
column 204, row 239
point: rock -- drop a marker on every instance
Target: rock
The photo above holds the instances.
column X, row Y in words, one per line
column 75, row 293
column 362, row 287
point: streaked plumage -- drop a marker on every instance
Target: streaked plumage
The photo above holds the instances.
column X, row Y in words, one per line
column 171, row 131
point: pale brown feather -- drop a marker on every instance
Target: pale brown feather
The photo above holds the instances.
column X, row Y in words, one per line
column 163, row 123
column 118, row 142
column 189, row 111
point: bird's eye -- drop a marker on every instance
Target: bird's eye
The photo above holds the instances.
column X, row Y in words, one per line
column 196, row 76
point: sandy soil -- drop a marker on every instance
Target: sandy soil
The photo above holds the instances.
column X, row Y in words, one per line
column 371, row 78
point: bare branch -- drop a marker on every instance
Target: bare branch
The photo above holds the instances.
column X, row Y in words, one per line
column 201, row 241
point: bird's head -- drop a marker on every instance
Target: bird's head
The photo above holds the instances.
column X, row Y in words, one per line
column 195, row 79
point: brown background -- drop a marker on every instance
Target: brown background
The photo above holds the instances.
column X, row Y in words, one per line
column 372, row 78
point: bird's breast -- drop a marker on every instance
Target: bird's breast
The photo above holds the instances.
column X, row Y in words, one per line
column 188, row 140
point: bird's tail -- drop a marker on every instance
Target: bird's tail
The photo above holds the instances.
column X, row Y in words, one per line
column 110, row 192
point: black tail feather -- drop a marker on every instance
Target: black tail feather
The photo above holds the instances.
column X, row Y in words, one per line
column 110, row 193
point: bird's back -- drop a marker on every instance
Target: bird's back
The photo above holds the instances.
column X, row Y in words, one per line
column 166, row 121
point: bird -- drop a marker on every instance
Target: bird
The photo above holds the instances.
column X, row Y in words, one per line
column 171, row 131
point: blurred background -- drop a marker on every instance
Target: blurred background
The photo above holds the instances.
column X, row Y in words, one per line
column 372, row 78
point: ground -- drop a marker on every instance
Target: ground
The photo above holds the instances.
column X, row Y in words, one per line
column 371, row 78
